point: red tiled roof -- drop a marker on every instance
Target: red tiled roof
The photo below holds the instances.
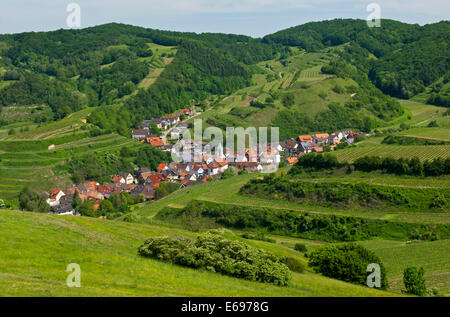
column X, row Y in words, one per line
column 305, row 138
column 157, row 143
column 213, row 164
column 161, row 167
column 117, row 179
column 55, row 192
column 292, row 160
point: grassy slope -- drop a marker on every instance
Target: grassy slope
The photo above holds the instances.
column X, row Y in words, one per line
column 434, row 257
column 36, row 248
column 306, row 88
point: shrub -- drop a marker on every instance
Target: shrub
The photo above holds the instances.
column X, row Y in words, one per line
column 347, row 262
column 294, row 264
column 259, row 236
column 414, row 281
column 32, row 201
column 300, row 247
column 217, row 254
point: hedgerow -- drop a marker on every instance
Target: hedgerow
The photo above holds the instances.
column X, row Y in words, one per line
column 293, row 223
column 336, row 194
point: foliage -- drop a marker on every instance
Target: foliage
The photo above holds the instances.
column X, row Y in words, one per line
column 313, row 161
column 300, row 247
column 410, row 57
column 294, row 264
column 402, row 166
column 347, row 262
column 32, row 201
column 204, row 215
column 217, row 254
column 414, row 281
column 100, row 166
column 341, row 194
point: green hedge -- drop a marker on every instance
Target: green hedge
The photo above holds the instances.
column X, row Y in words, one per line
column 217, row 254
column 205, row 214
column 335, row 194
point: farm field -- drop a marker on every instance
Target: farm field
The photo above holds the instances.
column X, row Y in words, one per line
column 34, row 261
column 433, row 256
column 371, row 147
column 442, row 134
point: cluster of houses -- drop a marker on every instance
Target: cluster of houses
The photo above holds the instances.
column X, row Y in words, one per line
column 317, row 143
column 198, row 162
column 143, row 133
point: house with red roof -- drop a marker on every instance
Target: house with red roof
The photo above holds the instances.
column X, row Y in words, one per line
column 305, row 138
column 55, row 196
column 162, row 167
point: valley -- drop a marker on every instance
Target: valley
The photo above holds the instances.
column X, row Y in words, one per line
column 88, row 107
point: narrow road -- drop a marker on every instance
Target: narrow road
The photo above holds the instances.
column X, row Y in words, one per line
column 166, row 133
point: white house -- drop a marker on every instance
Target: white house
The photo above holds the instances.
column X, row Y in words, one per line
column 54, row 197
column 128, row 178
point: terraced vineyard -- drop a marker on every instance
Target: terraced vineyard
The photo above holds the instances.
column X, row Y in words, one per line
column 434, row 257
column 27, row 163
column 407, row 151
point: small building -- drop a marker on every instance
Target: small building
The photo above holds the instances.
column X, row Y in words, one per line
column 129, row 179
column 54, row 197
column 140, row 134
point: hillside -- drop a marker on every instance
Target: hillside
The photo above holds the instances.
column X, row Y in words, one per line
column 296, row 73
column 34, row 263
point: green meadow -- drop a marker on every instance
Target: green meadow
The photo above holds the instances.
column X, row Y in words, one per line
column 33, row 263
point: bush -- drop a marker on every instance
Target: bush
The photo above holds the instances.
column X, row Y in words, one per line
column 300, row 247
column 217, row 254
column 414, row 281
column 32, row 201
column 346, row 262
column 294, row 264
column 259, row 236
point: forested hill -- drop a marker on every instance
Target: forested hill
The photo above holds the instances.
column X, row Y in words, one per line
column 72, row 69
column 408, row 57
column 60, row 72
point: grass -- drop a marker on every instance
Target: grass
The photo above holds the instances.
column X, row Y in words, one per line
column 433, row 256
column 35, row 250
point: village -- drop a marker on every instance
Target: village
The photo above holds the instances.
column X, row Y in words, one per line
column 199, row 164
